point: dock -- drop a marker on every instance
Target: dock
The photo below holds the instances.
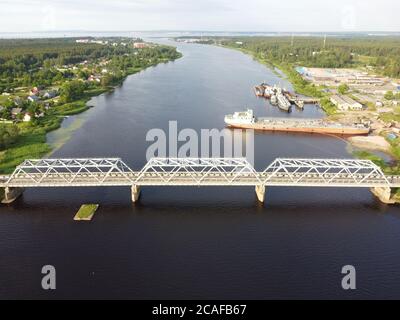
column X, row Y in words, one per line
column 264, row 90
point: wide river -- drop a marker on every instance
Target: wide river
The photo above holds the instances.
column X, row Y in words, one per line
column 196, row 242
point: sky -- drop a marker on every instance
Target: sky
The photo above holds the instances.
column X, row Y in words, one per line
column 196, row 15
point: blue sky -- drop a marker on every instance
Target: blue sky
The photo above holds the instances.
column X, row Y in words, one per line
column 213, row 15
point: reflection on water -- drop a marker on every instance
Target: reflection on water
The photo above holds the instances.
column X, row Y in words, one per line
column 196, row 242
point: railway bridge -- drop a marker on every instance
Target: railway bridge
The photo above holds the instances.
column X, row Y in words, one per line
column 168, row 172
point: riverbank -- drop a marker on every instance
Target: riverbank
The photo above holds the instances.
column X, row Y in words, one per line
column 303, row 87
column 32, row 141
column 299, row 84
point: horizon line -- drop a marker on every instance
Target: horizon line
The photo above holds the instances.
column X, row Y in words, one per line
column 210, row 31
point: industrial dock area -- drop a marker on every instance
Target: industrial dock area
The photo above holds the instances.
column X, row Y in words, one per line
column 282, row 98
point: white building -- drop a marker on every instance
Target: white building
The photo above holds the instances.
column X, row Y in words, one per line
column 27, row 117
column 33, row 98
column 344, row 103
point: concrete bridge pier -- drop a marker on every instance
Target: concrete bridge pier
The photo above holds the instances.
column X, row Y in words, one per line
column 384, row 194
column 260, row 191
column 11, row 194
column 135, row 193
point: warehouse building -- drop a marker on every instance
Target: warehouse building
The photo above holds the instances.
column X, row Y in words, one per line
column 344, row 103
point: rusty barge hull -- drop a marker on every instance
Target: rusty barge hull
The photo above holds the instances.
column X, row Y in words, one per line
column 322, row 130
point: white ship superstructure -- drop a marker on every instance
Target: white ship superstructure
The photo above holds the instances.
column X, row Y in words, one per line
column 241, row 118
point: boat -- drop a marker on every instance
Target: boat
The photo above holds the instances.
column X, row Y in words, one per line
column 241, row 118
column 268, row 93
column 283, row 103
column 247, row 120
column 299, row 104
column 259, row 90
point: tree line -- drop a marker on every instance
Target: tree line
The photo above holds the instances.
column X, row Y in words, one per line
column 380, row 52
column 37, row 62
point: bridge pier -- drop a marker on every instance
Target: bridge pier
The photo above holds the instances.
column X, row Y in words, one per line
column 135, row 193
column 384, row 194
column 260, row 191
column 11, row 194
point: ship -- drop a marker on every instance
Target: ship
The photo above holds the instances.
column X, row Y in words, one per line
column 283, row 103
column 299, row 104
column 247, row 120
column 274, row 100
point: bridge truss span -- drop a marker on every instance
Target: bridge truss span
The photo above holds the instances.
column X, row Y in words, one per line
column 72, row 172
column 283, row 172
column 324, row 172
column 198, row 172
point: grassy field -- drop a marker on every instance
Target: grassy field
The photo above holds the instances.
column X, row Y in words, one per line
column 3, row 99
column 30, row 145
column 86, row 212
column 32, row 141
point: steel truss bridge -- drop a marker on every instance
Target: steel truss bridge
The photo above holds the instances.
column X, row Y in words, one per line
column 285, row 172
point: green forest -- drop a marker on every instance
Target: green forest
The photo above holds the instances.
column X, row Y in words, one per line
column 380, row 52
column 37, row 62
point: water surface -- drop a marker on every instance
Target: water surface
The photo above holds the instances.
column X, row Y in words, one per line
column 196, row 242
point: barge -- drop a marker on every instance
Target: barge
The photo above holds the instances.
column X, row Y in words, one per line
column 247, row 120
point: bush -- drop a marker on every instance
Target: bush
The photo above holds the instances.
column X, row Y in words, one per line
column 8, row 135
column 72, row 90
column 343, row 88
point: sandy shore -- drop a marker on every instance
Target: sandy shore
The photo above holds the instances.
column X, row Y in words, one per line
column 377, row 143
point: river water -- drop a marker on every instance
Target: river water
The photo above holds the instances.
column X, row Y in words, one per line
column 196, row 242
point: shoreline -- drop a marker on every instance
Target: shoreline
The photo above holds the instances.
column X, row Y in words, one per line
column 330, row 113
column 33, row 143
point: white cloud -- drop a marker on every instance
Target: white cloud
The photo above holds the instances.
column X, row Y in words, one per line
column 246, row 15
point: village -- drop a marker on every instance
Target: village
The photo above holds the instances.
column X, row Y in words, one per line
column 25, row 104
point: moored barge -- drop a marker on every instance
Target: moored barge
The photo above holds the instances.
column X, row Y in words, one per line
column 247, row 120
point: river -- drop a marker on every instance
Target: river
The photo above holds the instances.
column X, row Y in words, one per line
column 216, row 243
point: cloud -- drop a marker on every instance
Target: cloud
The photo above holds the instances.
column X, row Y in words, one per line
column 246, row 15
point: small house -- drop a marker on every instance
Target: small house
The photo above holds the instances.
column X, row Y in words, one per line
column 35, row 91
column 50, row 94
column 94, row 78
column 27, row 117
column 33, row 99
column 140, row 45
